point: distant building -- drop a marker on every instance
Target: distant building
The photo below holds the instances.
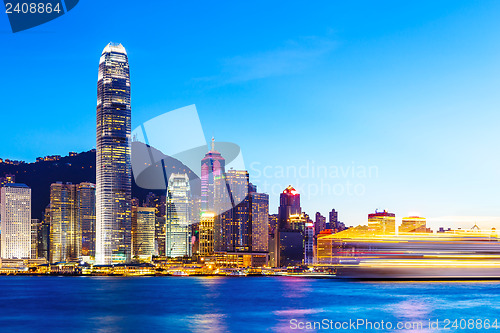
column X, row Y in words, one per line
column 86, row 219
column 232, row 228
column 333, row 218
column 15, row 211
column 206, row 234
column 289, row 205
column 178, row 219
column 212, row 166
column 143, row 232
column 319, row 224
column 35, row 226
column 259, row 216
column 413, row 224
column 309, row 243
column 382, row 222
column 65, row 233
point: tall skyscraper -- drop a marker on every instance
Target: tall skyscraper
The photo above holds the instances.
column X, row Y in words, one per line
column 259, row 215
column 178, row 220
column 65, row 233
column 320, row 223
column 35, row 226
column 382, row 222
column 143, row 232
column 333, row 218
column 289, row 205
column 232, row 228
column 15, row 210
column 85, row 205
column 113, row 165
column 212, row 167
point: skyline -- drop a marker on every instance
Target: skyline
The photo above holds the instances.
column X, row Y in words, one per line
column 413, row 83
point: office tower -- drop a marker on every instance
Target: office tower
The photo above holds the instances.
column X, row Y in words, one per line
column 259, row 215
column 232, row 223
column 65, row 233
column 309, row 243
column 35, row 226
column 382, row 222
column 319, row 224
column 206, row 232
column 289, row 205
column 85, row 206
column 143, row 232
column 44, row 235
column 413, row 224
column 333, row 219
column 113, row 167
column 212, row 167
column 15, row 210
column 178, row 220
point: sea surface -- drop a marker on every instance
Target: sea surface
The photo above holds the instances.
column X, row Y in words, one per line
column 241, row 304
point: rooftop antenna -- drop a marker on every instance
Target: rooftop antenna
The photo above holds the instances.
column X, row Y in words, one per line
column 213, row 143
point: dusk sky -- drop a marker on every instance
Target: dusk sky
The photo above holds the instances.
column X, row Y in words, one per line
column 407, row 94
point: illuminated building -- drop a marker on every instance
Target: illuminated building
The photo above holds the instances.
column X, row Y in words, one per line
column 143, row 232
column 333, row 218
column 309, row 243
column 206, row 234
column 413, row 224
column 113, row 186
column 212, row 166
column 320, row 223
column 178, row 220
column 15, row 210
column 65, row 233
column 259, row 215
column 382, row 222
column 289, row 205
column 232, row 230
column 85, row 205
column 35, row 226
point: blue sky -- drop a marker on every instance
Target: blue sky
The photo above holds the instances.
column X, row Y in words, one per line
column 407, row 89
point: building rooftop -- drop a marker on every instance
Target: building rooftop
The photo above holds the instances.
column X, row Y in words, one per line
column 18, row 185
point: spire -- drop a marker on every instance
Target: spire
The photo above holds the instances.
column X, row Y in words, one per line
column 213, row 144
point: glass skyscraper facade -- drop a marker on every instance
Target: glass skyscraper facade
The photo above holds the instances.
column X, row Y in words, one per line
column 212, row 167
column 113, row 164
column 178, row 219
column 86, row 217
column 143, row 232
column 15, row 210
column 65, row 233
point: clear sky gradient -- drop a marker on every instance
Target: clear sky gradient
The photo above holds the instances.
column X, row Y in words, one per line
column 406, row 92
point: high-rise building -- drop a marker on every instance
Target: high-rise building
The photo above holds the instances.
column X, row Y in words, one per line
column 143, row 232
column 232, row 230
column 212, row 167
column 65, row 233
column 382, row 222
column 413, row 224
column 15, row 211
column 85, row 206
column 35, row 226
column 113, row 165
column 333, row 218
column 289, row 205
column 206, row 232
column 178, row 220
column 44, row 235
column 319, row 224
column 309, row 243
column 259, row 215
